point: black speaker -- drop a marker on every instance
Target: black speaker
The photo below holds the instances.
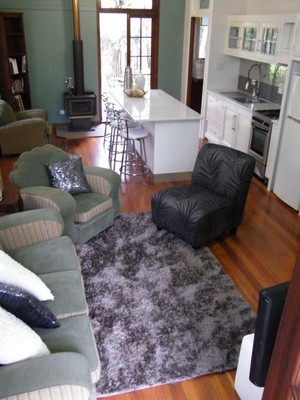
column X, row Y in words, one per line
column 270, row 307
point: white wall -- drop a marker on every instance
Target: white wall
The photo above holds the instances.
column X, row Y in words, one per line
column 272, row 6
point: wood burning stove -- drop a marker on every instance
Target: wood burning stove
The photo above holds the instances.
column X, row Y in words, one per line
column 80, row 106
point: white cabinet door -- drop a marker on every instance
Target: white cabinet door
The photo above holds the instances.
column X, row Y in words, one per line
column 230, row 123
column 237, row 127
column 267, row 45
column 243, row 129
column 233, row 38
column 249, row 40
column 214, row 118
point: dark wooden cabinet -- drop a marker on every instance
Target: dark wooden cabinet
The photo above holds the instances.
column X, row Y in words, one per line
column 14, row 81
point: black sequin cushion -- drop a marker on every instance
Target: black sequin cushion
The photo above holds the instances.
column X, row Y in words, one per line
column 68, row 176
column 26, row 307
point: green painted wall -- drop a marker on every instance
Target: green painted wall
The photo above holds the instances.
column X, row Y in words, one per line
column 49, row 34
column 171, row 34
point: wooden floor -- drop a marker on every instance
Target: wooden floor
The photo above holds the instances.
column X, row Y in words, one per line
column 262, row 253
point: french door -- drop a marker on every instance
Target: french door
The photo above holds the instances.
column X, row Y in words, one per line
column 128, row 37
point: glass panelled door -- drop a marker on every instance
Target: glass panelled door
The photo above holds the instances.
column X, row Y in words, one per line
column 140, row 47
column 249, row 39
column 129, row 43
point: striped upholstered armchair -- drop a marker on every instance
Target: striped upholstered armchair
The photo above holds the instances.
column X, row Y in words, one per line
column 23, row 130
column 87, row 197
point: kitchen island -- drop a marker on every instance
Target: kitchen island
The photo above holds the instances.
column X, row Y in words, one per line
column 173, row 140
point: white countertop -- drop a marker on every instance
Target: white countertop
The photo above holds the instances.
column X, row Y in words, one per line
column 155, row 106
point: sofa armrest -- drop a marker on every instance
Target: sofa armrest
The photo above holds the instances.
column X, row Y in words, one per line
column 34, row 113
column 103, row 180
column 29, row 227
column 59, row 376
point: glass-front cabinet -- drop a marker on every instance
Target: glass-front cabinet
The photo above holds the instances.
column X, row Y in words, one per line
column 268, row 44
column 250, row 38
column 234, row 37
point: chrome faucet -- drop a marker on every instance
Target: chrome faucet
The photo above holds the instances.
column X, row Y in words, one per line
column 256, row 89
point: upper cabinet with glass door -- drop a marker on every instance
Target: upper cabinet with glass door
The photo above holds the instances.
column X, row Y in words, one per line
column 265, row 38
column 234, row 38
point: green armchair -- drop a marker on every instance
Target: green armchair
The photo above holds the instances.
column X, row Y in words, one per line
column 84, row 214
column 22, row 131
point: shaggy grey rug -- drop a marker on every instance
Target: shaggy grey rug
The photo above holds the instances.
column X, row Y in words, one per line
column 161, row 311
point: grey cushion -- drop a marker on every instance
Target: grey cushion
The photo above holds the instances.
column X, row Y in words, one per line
column 68, row 176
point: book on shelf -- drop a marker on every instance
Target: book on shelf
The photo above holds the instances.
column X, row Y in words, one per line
column 17, row 85
column 13, row 66
column 19, row 106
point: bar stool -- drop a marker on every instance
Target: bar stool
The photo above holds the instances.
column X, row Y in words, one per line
column 132, row 163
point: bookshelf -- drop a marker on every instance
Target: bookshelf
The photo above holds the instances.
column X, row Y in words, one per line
column 14, row 80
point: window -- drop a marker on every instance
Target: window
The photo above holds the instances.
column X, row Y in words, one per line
column 128, row 36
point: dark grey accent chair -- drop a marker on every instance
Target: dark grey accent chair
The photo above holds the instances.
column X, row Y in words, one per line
column 212, row 206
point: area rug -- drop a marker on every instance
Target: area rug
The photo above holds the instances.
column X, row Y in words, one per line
column 161, row 311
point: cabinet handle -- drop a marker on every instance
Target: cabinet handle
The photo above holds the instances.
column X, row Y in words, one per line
column 233, row 122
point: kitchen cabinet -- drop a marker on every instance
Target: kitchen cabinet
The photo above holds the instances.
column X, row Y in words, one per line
column 237, row 126
column 296, row 44
column 234, row 37
column 261, row 38
column 250, row 32
column 214, row 118
column 227, row 123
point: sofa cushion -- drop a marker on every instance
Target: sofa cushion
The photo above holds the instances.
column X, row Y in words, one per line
column 53, row 255
column 68, row 290
column 68, row 176
column 15, row 273
column 26, row 307
column 18, row 341
column 88, row 205
column 74, row 335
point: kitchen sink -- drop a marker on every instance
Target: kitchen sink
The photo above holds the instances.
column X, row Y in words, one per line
column 248, row 100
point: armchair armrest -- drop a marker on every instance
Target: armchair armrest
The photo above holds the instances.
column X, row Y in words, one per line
column 34, row 113
column 103, row 180
column 34, row 197
column 29, row 227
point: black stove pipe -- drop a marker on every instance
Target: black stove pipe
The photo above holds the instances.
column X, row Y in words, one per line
column 77, row 51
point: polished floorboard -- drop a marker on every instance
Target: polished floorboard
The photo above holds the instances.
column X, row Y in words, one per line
column 262, row 253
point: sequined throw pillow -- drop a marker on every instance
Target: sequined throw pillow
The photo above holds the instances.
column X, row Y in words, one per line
column 68, row 176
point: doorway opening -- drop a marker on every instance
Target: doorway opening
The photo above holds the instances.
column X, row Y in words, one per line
column 198, row 41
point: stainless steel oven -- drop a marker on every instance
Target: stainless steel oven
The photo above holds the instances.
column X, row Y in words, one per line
column 260, row 138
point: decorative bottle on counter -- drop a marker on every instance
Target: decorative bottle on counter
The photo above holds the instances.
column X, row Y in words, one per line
column 128, row 78
column 140, row 81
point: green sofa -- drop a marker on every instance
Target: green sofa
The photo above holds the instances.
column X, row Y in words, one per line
column 34, row 239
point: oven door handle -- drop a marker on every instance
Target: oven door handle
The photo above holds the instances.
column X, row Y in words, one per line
column 261, row 127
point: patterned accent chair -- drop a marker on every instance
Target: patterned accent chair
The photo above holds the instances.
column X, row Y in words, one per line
column 213, row 204
column 84, row 214
column 23, row 130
